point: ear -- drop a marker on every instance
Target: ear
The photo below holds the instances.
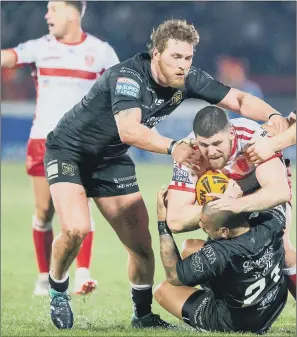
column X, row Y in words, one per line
column 156, row 54
column 224, row 232
column 232, row 133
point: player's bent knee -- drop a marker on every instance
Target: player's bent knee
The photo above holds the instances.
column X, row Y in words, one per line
column 143, row 251
column 158, row 291
column 190, row 246
column 76, row 233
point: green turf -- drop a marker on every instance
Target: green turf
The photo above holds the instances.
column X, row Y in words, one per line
column 107, row 312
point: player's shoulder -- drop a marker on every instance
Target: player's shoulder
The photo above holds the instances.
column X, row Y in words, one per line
column 95, row 41
column 196, row 71
column 44, row 39
column 245, row 125
column 135, row 67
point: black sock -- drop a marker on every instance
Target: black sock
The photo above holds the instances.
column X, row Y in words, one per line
column 142, row 301
column 59, row 286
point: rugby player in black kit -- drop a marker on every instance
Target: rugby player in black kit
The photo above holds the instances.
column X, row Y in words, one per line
column 239, row 268
column 86, row 156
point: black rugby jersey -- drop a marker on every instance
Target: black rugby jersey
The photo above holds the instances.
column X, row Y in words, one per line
column 89, row 128
column 246, row 272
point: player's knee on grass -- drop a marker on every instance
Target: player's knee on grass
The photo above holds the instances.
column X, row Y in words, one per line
column 158, row 294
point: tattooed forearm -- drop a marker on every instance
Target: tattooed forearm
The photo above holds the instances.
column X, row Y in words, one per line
column 170, row 256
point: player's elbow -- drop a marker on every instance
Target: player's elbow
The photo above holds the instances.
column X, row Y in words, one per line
column 126, row 135
column 284, row 193
column 174, row 222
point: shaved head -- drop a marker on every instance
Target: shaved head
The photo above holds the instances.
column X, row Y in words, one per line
column 217, row 218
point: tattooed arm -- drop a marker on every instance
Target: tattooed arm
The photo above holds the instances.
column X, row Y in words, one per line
column 168, row 249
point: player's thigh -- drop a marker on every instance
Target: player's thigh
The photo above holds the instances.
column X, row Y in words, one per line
column 190, row 246
column 114, row 188
column 68, row 194
column 173, row 298
column 203, row 312
column 128, row 216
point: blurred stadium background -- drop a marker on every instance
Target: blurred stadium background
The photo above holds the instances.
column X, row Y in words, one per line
column 257, row 38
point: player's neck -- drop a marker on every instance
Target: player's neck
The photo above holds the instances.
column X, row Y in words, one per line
column 74, row 36
column 239, row 231
column 157, row 74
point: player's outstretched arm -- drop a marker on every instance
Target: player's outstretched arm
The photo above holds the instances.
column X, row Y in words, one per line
column 253, row 107
column 133, row 133
column 8, row 58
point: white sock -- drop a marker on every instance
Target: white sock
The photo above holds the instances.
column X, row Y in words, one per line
column 82, row 273
column 62, row 280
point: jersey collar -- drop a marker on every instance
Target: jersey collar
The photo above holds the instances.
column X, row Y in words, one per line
column 82, row 39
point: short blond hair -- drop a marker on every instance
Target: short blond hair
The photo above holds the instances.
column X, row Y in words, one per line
column 172, row 29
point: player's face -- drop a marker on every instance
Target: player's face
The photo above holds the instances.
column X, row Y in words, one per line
column 207, row 227
column 175, row 61
column 216, row 149
column 58, row 17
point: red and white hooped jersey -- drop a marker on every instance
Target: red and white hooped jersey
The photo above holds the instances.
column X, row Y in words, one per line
column 63, row 74
column 238, row 168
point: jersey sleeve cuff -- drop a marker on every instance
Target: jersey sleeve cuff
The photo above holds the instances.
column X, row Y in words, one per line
column 182, row 188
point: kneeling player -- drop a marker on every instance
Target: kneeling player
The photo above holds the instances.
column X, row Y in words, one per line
column 240, row 269
column 222, row 144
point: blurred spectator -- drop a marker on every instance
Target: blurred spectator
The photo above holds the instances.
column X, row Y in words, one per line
column 233, row 72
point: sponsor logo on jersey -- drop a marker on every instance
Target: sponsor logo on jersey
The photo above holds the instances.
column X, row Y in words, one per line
column 121, row 179
column 181, row 175
column 152, row 121
column 127, row 87
column 176, row 98
column 67, row 169
column 262, row 262
column 209, row 253
column 196, row 263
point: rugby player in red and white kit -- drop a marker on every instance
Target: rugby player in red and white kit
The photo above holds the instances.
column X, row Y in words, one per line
column 222, row 145
column 65, row 63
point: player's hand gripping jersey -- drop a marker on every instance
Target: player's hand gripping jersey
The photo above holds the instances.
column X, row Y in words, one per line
column 89, row 128
column 63, row 74
column 238, row 168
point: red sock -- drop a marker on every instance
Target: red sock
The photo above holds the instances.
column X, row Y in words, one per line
column 83, row 259
column 292, row 284
column 43, row 248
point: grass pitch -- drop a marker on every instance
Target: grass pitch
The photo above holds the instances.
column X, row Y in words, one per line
column 107, row 312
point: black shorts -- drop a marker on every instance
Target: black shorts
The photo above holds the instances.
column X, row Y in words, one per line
column 105, row 179
column 204, row 313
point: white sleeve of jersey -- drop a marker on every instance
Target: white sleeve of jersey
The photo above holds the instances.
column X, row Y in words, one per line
column 182, row 179
column 26, row 52
column 110, row 57
column 247, row 129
